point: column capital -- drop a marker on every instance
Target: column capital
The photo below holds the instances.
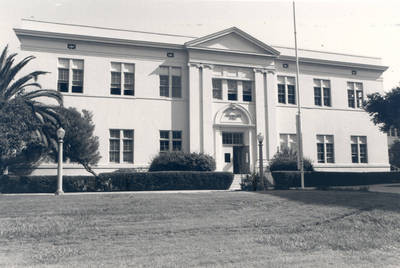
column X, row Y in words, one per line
column 200, row 65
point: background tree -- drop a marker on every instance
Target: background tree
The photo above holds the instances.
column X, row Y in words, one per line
column 80, row 144
column 28, row 126
column 384, row 109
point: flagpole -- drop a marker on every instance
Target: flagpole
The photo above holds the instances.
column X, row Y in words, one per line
column 300, row 160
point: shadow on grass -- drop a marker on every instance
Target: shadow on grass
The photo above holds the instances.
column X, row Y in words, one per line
column 348, row 199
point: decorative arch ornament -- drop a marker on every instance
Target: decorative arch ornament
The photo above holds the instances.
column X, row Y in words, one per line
column 233, row 115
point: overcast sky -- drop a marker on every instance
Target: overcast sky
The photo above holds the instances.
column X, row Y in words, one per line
column 369, row 28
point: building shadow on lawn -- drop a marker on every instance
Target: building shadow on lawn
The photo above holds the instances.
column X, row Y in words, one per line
column 350, row 199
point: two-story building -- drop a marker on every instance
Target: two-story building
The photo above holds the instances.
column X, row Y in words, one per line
column 155, row 92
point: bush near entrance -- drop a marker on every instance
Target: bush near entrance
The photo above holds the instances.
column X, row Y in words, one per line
column 180, row 161
column 287, row 179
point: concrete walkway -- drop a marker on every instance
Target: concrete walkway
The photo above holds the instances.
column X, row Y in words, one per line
column 124, row 192
column 385, row 188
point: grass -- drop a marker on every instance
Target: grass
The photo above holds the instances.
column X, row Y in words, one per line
column 229, row 229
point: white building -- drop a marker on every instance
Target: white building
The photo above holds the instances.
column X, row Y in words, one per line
column 152, row 92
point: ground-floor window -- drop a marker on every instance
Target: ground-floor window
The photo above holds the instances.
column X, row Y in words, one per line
column 359, row 153
column 325, row 149
column 121, row 145
column 232, row 138
column 170, row 140
column 288, row 141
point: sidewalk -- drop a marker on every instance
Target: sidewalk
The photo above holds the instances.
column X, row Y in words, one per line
column 123, row 192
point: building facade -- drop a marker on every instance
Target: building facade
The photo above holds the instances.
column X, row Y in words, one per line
column 153, row 92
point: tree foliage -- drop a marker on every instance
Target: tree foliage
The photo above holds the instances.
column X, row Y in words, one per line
column 80, row 144
column 384, row 109
column 30, row 116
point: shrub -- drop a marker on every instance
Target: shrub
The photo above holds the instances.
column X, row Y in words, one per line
column 286, row 159
column 286, row 179
column 252, row 182
column 180, row 161
column 137, row 181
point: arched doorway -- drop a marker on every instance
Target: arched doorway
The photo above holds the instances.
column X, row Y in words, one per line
column 234, row 139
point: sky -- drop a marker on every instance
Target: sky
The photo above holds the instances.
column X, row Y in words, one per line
column 370, row 28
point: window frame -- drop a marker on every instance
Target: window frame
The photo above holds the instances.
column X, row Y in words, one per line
column 170, row 141
column 354, row 98
column 289, row 88
column 356, row 142
column 232, row 138
column 172, row 87
column 122, row 140
column 287, row 138
column 325, row 97
column 74, row 86
column 121, row 86
column 328, row 152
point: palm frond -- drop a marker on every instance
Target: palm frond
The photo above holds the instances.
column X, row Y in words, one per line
column 48, row 93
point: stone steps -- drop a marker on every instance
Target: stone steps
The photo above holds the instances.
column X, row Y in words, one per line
column 237, row 179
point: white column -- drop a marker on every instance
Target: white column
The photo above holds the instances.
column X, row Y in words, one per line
column 194, row 108
column 259, row 87
column 207, row 116
column 271, row 101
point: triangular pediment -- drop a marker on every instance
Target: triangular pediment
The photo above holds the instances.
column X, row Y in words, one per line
column 232, row 40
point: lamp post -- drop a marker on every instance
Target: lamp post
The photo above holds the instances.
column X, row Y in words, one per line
column 260, row 139
column 60, row 137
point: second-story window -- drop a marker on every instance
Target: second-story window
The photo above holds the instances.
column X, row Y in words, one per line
column 170, row 81
column 217, row 88
column 70, row 75
column 122, row 79
column 286, row 90
column 232, row 90
column 247, row 90
column 355, row 94
column 322, row 92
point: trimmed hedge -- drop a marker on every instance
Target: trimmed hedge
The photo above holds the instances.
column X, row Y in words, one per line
column 286, row 179
column 166, row 180
column 146, row 181
column 45, row 184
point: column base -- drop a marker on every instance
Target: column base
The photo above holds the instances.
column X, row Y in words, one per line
column 59, row 192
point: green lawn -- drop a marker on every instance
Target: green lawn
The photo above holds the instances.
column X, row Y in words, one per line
column 229, row 229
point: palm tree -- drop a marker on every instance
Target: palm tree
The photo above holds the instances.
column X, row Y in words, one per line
column 27, row 89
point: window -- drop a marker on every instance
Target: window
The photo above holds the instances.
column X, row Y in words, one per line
column 359, row 153
column 70, row 70
column 393, row 132
column 227, row 157
column 247, row 90
column 288, row 141
column 170, row 140
column 355, row 94
column 122, row 77
column 232, row 138
column 325, row 149
column 322, row 92
column 217, row 88
column 286, row 90
column 170, row 82
column 232, row 90
column 121, row 138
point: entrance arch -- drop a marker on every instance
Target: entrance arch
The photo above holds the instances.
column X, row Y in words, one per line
column 234, row 134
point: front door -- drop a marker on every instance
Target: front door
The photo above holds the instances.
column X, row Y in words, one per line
column 241, row 161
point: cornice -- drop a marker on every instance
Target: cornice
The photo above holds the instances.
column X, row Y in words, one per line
column 335, row 63
column 86, row 38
